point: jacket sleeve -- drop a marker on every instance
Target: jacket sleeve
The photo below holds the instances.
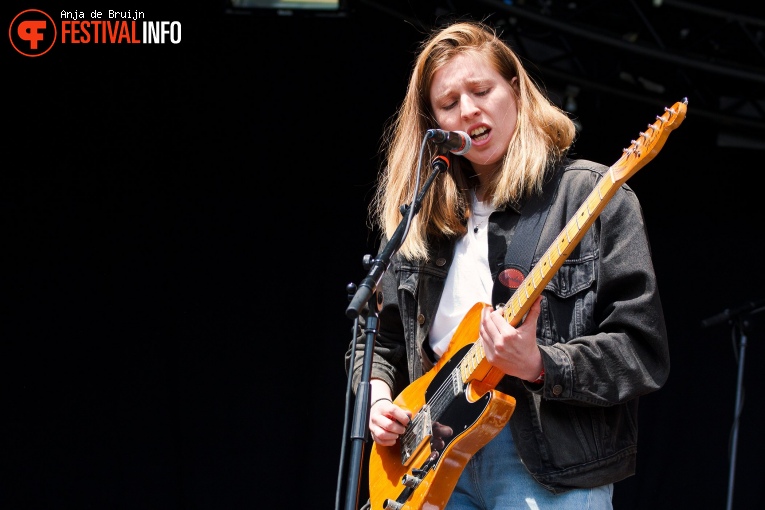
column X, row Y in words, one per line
column 389, row 361
column 621, row 352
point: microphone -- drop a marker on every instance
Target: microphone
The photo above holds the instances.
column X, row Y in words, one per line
column 728, row 314
column 458, row 142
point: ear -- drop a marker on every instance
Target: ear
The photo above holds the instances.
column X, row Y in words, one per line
column 515, row 83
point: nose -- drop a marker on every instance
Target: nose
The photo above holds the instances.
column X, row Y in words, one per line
column 468, row 108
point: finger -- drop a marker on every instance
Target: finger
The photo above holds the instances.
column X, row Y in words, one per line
column 400, row 417
column 389, row 417
column 535, row 309
column 487, row 328
column 499, row 321
column 383, row 439
column 386, row 432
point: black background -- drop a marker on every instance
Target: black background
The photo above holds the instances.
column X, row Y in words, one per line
column 180, row 223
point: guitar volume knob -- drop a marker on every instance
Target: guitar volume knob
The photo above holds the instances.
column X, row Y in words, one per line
column 411, row 481
column 389, row 504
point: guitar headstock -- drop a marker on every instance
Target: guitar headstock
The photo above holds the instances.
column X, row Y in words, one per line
column 649, row 143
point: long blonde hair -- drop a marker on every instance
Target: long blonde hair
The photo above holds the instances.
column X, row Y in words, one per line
column 543, row 135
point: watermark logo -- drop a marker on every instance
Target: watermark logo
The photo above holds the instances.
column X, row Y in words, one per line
column 34, row 32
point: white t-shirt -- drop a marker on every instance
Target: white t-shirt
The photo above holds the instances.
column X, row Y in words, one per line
column 469, row 279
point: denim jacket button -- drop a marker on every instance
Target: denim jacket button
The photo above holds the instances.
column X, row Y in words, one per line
column 440, row 262
column 421, row 319
column 557, row 390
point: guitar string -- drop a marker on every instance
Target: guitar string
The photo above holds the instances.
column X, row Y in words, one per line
column 437, row 398
column 438, row 404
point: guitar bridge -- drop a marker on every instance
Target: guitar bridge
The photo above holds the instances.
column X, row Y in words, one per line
column 417, row 435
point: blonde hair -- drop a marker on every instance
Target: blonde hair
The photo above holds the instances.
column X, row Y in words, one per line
column 543, row 135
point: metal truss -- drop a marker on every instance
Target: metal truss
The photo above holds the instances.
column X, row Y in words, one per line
column 649, row 51
column 643, row 50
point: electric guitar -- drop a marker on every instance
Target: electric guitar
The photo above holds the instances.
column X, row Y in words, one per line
column 455, row 407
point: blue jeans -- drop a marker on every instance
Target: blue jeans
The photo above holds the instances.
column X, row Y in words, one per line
column 495, row 479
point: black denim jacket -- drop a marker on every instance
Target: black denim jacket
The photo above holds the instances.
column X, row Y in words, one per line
column 601, row 332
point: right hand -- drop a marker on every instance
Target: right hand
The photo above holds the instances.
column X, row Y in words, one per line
column 387, row 422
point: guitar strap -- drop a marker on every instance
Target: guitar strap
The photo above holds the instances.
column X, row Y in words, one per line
column 519, row 256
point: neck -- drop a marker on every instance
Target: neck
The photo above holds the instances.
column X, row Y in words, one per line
column 479, row 192
column 484, row 173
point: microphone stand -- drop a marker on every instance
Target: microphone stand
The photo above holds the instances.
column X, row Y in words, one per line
column 366, row 295
column 738, row 324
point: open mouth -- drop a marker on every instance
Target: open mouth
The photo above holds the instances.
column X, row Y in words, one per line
column 480, row 133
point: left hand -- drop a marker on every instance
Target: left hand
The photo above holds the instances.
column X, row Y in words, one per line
column 514, row 351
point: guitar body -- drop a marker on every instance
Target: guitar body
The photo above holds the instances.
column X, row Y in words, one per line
column 475, row 417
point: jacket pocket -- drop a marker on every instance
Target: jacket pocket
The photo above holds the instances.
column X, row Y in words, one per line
column 569, row 302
